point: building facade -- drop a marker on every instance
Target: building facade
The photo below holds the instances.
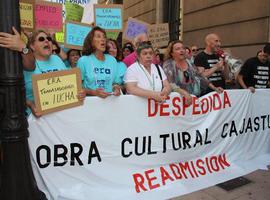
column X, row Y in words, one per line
column 243, row 25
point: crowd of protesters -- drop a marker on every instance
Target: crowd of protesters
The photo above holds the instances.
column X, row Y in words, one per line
column 137, row 68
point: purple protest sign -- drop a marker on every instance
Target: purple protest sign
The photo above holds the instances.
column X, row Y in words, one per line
column 134, row 27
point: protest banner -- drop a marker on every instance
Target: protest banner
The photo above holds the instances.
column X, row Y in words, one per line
column 133, row 28
column 75, row 34
column 159, row 35
column 158, row 151
column 48, row 16
column 109, row 17
column 74, row 12
column 27, row 15
column 56, row 91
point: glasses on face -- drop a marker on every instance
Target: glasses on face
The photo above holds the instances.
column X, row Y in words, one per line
column 186, row 75
column 42, row 39
column 194, row 50
column 56, row 51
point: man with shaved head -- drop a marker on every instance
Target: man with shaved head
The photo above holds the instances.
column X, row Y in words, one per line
column 209, row 63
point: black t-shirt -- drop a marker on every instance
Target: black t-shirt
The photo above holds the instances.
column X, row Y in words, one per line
column 207, row 61
column 255, row 73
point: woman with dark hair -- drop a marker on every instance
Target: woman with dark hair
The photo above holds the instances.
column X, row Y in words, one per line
column 127, row 49
column 73, row 56
column 99, row 70
column 182, row 75
column 145, row 79
column 41, row 45
column 113, row 49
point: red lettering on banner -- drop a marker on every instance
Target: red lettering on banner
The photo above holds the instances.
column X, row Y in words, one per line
column 178, row 105
column 155, row 105
column 199, row 164
column 195, row 105
column 217, row 102
column 165, row 175
column 204, row 102
column 162, row 111
column 188, row 169
column 226, row 100
column 139, row 182
column 177, row 175
column 151, row 179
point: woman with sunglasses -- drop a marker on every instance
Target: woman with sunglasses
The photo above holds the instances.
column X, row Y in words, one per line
column 182, row 75
column 41, row 45
column 99, row 70
column 145, row 79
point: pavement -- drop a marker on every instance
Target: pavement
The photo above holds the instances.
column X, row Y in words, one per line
column 258, row 189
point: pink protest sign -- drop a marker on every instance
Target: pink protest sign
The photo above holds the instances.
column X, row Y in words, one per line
column 49, row 16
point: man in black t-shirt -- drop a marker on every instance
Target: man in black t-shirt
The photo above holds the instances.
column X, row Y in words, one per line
column 208, row 62
column 255, row 73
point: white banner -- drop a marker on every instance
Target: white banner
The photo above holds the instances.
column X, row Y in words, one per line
column 131, row 148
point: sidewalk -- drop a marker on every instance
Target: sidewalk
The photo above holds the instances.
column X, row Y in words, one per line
column 258, row 189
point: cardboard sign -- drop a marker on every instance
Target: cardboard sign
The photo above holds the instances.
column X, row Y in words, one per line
column 159, row 34
column 75, row 34
column 112, row 35
column 48, row 16
column 56, row 91
column 134, row 27
column 60, row 37
column 74, row 12
column 109, row 17
column 27, row 15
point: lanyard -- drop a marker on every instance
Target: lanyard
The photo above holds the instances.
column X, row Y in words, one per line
column 151, row 82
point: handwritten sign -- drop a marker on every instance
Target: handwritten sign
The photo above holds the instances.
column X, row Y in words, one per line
column 48, row 16
column 60, row 37
column 74, row 12
column 56, row 91
column 159, row 34
column 27, row 15
column 134, row 27
column 109, row 17
column 75, row 34
column 112, row 35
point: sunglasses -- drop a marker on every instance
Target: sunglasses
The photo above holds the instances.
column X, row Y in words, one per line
column 186, row 75
column 56, row 51
column 42, row 39
column 194, row 50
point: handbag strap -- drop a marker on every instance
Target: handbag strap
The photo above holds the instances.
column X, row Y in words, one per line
column 160, row 76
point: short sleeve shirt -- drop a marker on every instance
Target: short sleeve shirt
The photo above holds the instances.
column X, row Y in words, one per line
column 255, row 73
column 207, row 61
column 137, row 73
column 98, row 74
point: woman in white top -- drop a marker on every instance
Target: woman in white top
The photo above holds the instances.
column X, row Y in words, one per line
column 145, row 79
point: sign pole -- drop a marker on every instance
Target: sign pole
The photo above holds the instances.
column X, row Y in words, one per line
column 17, row 181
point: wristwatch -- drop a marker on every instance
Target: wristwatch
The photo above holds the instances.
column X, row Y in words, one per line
column 25, row 50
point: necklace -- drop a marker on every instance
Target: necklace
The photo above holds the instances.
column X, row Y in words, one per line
column 148, row 76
